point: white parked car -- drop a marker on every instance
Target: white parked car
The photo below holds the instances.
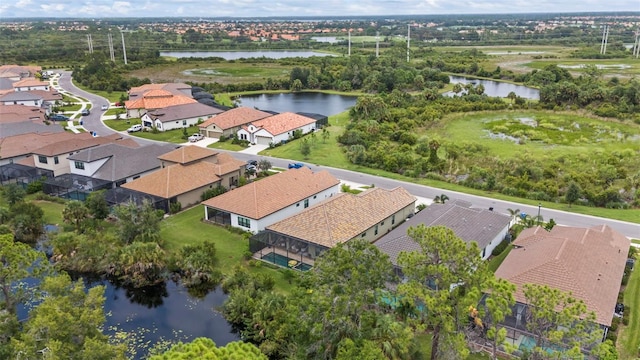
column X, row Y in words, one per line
column 196, row 137
column 104, row 107
column 135, row 128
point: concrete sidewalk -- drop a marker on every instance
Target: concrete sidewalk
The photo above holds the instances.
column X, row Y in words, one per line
column 254, row 149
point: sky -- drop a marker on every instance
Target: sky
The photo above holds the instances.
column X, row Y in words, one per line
column 292, row 8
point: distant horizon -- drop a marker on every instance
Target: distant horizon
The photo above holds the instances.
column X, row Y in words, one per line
column 288, row 9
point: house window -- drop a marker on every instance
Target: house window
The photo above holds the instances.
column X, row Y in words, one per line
column 306, row 203
column 42, row 159
column 382, row 223
column 363, row 234
column 184, row 122
column 393, row 219
column 244, row 222
column 375, row 231
column 79, row 165
column 55, row 160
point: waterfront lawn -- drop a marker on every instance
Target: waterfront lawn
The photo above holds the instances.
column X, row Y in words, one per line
column 52, row 212
column 629, row 336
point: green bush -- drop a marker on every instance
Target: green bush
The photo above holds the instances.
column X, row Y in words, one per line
column 500, row 248
column 612, row 336
column 175, row 207
column 625, row 316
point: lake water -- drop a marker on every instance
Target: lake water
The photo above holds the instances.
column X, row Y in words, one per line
column 497, row 88
column 311, row 102
column 235, row 55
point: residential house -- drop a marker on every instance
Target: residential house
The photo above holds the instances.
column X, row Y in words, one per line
column 261, row 203
column 186, row 173
column 484, row 227
column 20, row 113
column 16, row 148
column 276, row 129
column 30, row 84
column 154, row 100
column 55, row 156
column 116, row 162
column 17, row 72
column 229, row 122
column 178, row 116
column 22, row 98
column 49, row 98
column 174, row 88
column 305, row 236
column 587, row 262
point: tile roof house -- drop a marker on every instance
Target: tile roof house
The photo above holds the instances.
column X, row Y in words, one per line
column 22, row 98
column 277, row 128
column 55, row 156
column 154, row 100
column 16, row 148
column 187, row 172
column 174, row 88
column 17, row 72
column 339, row 219
column 29, row 84
column 587, row 262
column 20, row 113
column 178, row 116
column 487, row 228
column 261, row 203
column 117, row 163
column 229, row 122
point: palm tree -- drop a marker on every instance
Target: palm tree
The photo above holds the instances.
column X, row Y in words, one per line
column 514, row 214
column 440, row 199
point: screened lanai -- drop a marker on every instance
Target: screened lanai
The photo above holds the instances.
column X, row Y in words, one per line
column 22, row 174
column 74, row 186
column 285, row 250
column 118, row 196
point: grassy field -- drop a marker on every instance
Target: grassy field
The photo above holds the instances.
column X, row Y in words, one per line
column 615, row 67
column 52, row 212
column 113, row 96
column 207, row 71
column 629, row 336
column 329, row 153
column 187, row 228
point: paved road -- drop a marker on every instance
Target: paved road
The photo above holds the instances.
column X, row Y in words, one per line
column 632, row 230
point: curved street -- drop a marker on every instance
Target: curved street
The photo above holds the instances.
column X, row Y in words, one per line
column 631, row 230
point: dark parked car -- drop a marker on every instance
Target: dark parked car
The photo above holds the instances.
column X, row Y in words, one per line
column 58, row 117
column 252, row 162
column 85, row 112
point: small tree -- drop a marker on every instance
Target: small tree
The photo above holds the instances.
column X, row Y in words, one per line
column 264, row 165
column 13, row 193
column 325, row 135
column 75, row 212
column 305, row 148
column 573, row 193
column 97, row 204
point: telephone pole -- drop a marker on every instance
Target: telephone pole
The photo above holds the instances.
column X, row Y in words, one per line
column 111, row 52
column 408, row 40
column 349, row 42
column 90, row 43
column 378, row 44
column 636, row 45
column 124, row 50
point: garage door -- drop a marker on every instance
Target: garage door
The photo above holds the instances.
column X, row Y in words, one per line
column 263, row 140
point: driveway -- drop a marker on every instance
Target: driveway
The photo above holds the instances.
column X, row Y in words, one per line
column 254, row 149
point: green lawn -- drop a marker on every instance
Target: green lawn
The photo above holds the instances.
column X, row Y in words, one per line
column 52, row 212
column 187, row 227
column 174, row 136
column 115, row 111
column 226, row 145
column 113, row 96
column 629, row 336
column 121, row 125
column 494, row 262
column 72, row 107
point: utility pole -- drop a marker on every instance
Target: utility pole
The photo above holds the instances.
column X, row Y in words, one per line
column 604, row 32
column 110, row 38
column 636, row 45
column 408, row 40
column 90, row 43
column 124, row 50
column 349, row 42
column 378, row 43
column 606, row 40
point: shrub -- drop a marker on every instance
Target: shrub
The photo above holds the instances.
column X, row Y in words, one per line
column 612, row 336
column 500, row 248
column 175, row 207
column 625, row 316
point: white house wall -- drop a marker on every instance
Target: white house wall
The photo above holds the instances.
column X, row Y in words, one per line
column 261, row 224
column 177, row 124
column 89, row 168
column 29, row 88
column 23, row 102
column 492, row 245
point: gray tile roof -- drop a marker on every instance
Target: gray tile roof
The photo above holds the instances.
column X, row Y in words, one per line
column 469, row 224
column 26, row 127
column 185, row 111
column 123, row 161
column 20, row 95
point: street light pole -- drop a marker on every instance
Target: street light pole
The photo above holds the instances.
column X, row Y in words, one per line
column 539, row 206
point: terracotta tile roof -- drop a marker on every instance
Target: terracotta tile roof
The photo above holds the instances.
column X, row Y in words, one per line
column 469, row 224
column 29, row 82
column 50, row 95
column 187, row 154
column 158, row 99
column 261, row 198
column 175, row 180
column 26, row 144
column 235, row 117
column 13, row 69
column 75, row 144
column 17, row 113
column 588, row 262
column 174, row 88
column 344, row 217
column 226, row 163
column 282, row 123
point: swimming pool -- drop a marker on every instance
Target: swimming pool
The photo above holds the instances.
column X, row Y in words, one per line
column 286, row 262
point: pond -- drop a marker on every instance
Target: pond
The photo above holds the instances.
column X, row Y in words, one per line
column 235, row 55
column 497, row 88
column 311, row 102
